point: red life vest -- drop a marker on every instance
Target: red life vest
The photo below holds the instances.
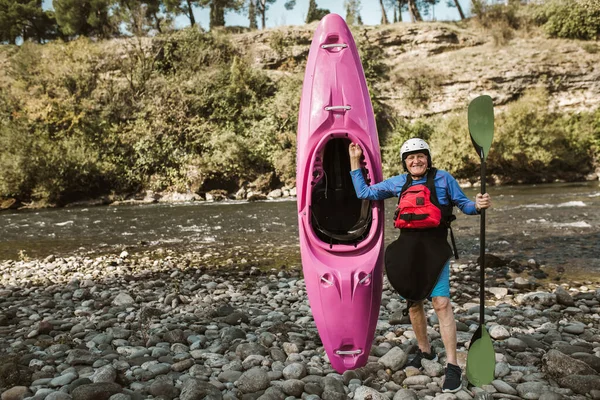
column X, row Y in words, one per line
column 419, row 207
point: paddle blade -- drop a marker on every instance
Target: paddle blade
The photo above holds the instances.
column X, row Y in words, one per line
column 481, row 359
column 481, row 124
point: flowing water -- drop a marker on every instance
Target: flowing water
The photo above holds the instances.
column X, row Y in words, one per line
column 558, row 225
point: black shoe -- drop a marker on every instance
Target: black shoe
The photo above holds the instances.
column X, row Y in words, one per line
column 453, row 380
column 416, row 362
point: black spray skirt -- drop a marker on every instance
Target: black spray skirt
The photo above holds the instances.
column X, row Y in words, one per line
column 415, row 260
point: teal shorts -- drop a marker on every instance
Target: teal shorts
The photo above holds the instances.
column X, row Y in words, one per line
column 442, row 287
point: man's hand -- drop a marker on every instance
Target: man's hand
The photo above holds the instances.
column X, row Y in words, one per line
column 482, row 201
column 355, row 153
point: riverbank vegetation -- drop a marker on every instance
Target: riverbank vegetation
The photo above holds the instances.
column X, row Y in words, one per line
column 190, row 111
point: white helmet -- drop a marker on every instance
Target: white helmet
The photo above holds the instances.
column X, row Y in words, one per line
column 413, row 146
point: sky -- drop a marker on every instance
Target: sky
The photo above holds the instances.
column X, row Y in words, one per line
column 370, row 13
column 277, row 15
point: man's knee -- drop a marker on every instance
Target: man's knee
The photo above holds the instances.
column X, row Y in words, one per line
column 441, row 304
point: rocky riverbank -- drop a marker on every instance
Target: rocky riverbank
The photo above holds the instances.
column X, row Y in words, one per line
column 162, row 325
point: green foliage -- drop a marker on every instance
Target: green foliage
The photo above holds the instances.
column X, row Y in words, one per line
column 85, row 17
column 314, row 13
column 531, row 144
column 187, row 111
column 570, row 19
column 502, row 20
column 25, row 19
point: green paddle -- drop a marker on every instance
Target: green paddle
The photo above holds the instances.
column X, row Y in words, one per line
column 481, row 359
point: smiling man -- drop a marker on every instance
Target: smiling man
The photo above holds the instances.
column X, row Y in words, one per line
column 418, row 262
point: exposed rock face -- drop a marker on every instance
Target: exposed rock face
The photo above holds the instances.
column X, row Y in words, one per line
column 457, row 63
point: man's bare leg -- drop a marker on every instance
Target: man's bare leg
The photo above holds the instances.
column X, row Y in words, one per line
column 419, row 325
column 443, row 309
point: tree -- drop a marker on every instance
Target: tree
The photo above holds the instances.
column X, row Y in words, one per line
column 25, row 19
column 315, row 13
column 398, row 6
column 384, row 19
column 353, row 12
column 252, row 14
column 262, row 6
column 455, row 3
column 140, row 16
column 413, row 10
column 182, row 7
column 85, row 17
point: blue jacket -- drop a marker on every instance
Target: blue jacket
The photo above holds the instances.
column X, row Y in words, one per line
column 447, row 189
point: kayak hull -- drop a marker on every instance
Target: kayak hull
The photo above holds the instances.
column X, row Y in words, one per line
column 341, row 236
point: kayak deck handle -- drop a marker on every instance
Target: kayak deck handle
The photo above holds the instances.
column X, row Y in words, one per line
column 366, row 278
column 348, row 352
column 336, row 108
column 329, row 282
column 334, row 45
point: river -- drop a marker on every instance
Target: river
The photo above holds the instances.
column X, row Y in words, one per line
column 557, row 224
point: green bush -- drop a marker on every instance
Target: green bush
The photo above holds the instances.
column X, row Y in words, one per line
column 570, row 19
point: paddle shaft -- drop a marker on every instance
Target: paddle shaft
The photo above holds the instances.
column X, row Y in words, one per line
column 482, row 250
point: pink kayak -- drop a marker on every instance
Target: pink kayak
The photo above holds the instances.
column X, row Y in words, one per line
column 341, row 236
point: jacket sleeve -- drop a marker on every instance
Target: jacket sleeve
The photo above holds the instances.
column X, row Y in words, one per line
column 379, row 191
column 459, row 198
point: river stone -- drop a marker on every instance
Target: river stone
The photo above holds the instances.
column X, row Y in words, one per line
column 589, row 359
column 531, row 390
column 123, row 299
column 63, row 380
column 80, row 357
column 107, row 373
column 503, row 387
column 16, row 393
column 293, row 387
column 574, row 328
column 194, row 389
column 294, row 371
column 558, row 365
column 432, row 368
column 502, row 369
column 62, row 396
column 272, row 393
column 246, row 349
column 367, row 393
column 253, row 380
column 394, row 359
column 96, row 391
column 551, row 396
column 516, row 344
column 333, row 385
column 417, row 380
column 164, row 389
column 542, row 298
column 581, row 384
column 498, row 332
column 405, row 394
column 563, row 297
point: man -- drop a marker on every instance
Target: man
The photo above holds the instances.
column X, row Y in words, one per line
column 418, row 262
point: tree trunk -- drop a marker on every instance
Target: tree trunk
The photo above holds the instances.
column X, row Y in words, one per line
column 252, row 14
column 157, row 22
column 415, row 15
column 191, row 13
column 384, row 19
column 399, row 8
column 460, row 11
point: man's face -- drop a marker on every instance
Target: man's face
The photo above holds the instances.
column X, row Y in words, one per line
column 416, row 164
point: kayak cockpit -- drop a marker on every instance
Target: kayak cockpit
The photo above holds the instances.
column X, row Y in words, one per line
column 337, row 215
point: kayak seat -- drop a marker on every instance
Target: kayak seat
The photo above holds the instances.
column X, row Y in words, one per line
column 337, row 215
